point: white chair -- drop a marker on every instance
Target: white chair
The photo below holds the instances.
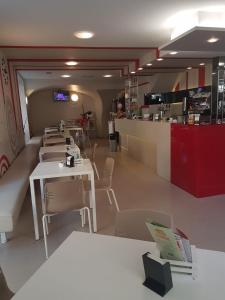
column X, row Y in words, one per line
column 92, row 159
column 53, row 156
column 105, row 182
column 131, row 223
column 62, row 197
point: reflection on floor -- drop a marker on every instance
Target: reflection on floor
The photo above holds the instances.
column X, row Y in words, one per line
column 136, row 187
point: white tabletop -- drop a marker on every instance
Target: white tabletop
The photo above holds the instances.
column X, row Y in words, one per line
column 98, row 267
column 51, row 169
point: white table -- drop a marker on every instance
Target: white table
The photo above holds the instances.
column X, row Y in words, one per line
column 97, row 267
column 71, row 128
column 46, row 170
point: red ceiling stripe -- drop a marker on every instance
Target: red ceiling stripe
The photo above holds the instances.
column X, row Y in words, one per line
column 78, row 47
column 67, row 59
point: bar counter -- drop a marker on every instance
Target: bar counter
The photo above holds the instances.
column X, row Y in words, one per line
column 190, row 156
column 148, row 142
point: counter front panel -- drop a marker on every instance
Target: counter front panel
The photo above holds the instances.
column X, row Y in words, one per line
column 198, row 158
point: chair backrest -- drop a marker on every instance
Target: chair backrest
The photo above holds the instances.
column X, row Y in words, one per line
column 131, row 223
column 53, row 156
column 5, row 293
column 93, row 152
column 108, row 169
column 58, row 195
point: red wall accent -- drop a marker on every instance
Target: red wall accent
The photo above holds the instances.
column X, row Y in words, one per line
column 197, row 163
column 201, row 77
column 186, row 80
column 177, row 88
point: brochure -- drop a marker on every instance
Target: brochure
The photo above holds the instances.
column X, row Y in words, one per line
column 172, row 246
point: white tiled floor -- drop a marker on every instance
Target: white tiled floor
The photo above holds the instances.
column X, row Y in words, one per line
column 203, row 220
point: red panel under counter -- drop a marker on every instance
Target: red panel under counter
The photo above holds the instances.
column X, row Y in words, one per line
column 198, row 158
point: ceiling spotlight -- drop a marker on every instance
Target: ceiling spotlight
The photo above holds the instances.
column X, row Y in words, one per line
column 213, row 40
column 71, row 63
column 65, row 76
column 107, row 75
column 84, row 34
column 140, row 69
column 213, row 73
column 173, row 53
column 149, row 65
column 160, row 59
column 132, row 72
column 74, row 97
column 201, row 64
column 189, row 68
column 221, row 64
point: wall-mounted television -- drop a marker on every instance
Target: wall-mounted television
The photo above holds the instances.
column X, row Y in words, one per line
column 61, row 95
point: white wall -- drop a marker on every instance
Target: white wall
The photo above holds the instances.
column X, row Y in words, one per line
column 11, row 133
column 43, row 111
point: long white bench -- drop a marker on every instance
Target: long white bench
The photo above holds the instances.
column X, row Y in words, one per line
column 14, row 185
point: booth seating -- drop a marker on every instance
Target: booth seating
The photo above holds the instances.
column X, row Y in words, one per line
column 14, row 185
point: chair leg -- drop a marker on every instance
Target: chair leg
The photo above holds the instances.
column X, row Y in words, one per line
column 3, row 238
column 108, row 194
column 46, row 224
column 82, row 217
column 114, row 198
column 96, row 170
column 89, row 218
column 45, row 235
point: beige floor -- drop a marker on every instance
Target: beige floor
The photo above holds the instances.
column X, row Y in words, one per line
column 136, row 186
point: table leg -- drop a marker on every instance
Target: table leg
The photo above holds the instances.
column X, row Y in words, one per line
column 34, row 209
column 93, row 201
column 42, row 191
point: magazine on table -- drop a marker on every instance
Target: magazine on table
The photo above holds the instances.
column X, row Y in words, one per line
column 172, row 245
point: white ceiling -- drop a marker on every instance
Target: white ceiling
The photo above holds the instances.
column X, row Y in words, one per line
column 127, row 35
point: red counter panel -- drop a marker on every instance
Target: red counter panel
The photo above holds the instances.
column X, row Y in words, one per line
column 198, row 158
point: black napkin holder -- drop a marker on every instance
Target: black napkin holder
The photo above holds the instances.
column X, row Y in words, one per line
column 158, row 277
column 69, row 160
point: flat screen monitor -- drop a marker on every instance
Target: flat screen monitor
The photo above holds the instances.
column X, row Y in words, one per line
column 61, row 95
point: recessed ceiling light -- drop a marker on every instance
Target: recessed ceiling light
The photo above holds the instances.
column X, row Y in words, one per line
column 160, row 59
column 213, row 73
column 189, row 68
column 74, row 97
column 65, row 76
column 84, row 34
column 173, row 53
column 149, row 65
column 201, row 64
column 140, row 69
column 71, row 63
column 221, row 64
column 213, row 40
column 107, row 75
column 133, row 72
